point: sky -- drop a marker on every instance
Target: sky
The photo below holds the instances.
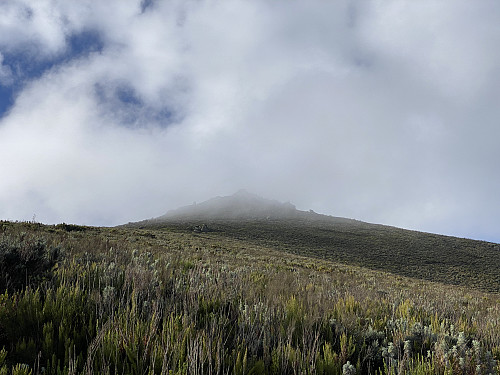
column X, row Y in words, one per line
column 382, row 111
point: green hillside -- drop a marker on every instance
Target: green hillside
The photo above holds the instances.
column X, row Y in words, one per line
column 291, row 293
column 420, row 255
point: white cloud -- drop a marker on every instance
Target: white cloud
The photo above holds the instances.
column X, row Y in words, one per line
column 451, row 47
column 384, row 112
column 34, row 25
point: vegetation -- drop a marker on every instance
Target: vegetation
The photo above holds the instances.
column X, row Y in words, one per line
column 82, row 300
column 414, row 254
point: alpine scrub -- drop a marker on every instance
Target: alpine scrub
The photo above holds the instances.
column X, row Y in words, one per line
column 127, row 302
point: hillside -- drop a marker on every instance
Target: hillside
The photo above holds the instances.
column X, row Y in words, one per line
column 171, row 300
column 250, row 219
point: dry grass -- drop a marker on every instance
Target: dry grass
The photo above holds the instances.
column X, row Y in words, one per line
column 173, row 301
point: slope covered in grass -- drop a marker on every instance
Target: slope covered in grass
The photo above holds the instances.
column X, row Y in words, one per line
column 140, row 301
column 250, row 219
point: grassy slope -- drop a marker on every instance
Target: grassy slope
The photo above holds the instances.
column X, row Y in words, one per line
column 158, row 299
column 409, row 253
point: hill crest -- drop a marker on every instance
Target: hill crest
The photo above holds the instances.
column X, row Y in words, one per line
column 241, row 205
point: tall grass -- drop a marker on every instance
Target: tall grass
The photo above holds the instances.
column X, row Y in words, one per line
column 135, row 302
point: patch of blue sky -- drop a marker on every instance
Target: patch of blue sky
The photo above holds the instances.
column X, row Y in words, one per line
column 127, row 95
column 28, row 63
column 123, row 103
column 6, row 98
column 145, row 4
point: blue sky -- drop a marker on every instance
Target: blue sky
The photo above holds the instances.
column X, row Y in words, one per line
column 26, row 64
column 385, row 112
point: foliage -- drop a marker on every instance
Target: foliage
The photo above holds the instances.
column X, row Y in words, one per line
column 122, row 301
column 25, row 259
column 407, row 253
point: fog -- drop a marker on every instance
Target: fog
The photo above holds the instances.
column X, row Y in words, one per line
column 385, row 112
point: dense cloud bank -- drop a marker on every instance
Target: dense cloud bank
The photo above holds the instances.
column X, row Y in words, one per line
column 380, row 111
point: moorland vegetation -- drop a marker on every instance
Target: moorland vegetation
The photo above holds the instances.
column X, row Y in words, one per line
column 249, row 218
column 170, row 300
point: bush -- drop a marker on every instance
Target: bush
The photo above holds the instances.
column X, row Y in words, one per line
column 25, row 260
column 71, row 227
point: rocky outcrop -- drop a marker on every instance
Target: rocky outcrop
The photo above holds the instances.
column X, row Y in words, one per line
column 202, row 228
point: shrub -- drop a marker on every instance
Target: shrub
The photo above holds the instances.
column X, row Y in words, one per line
column 25, row 260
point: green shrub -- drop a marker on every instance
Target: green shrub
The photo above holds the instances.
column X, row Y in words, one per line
column 25, row 260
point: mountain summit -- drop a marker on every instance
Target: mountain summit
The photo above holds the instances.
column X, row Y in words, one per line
column 241, row 205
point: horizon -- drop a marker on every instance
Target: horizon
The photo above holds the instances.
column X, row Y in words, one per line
column 382, row 112
column 195, row 204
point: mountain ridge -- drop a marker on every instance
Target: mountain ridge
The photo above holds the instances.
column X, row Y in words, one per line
column 242, row 205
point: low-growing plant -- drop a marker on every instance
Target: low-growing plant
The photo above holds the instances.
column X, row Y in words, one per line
column 25, row 260
column 176, row 306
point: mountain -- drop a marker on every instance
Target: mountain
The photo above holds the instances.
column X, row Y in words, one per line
column 241, row 205
column 251, row 221
column 252, row 295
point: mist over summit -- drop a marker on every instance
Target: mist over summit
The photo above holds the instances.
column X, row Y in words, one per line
column 241, row 205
